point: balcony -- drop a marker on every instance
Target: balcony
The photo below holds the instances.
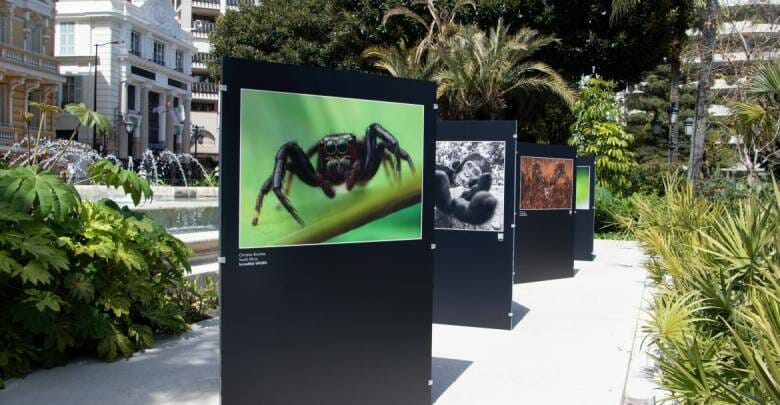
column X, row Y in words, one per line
column 202, row 29
column 28, row 59
column 233, row 4
column 205, row 87
column 208, row 4
column 200, row 60
column 205, row 91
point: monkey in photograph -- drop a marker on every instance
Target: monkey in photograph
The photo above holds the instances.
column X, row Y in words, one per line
column 475, row 205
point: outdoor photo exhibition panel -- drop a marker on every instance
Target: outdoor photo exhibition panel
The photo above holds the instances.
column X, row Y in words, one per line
column 584, row 208
column 473, row 220
column 544, row 226
column 326, row 236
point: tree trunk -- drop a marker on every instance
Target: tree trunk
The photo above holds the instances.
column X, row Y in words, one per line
column 674, row 98
column 709, row 33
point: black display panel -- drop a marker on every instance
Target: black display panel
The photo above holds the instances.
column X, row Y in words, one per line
column 326, row 234
column 473, row 223
column 584, row 206
column 544, row 224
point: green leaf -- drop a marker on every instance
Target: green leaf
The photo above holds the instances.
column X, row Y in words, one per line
column 80, row 287
column 112, row 175
column 8, row 264
column 44, row 300
column 114, row 344
column 33, row 190
column 34, row 273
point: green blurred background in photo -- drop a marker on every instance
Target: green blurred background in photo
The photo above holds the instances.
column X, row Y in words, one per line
column 583, row 188
column 270, row 119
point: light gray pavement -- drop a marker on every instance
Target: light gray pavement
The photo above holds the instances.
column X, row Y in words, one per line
column 571, row 345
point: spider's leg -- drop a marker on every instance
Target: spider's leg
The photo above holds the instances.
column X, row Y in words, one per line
column 376, row 133
column 259, row 202
column 299, row 165
column 371, row 166
column 287, row 185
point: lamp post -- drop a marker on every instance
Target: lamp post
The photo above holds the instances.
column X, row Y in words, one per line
column 94, row 93
column 197, row 137
column 655, row 124
column 689, row 126
column 130, row 125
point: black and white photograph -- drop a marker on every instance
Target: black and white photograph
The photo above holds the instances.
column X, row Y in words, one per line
column 470, row 185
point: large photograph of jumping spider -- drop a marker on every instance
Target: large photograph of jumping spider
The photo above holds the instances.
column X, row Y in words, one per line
column 323, row 170
column 546, row 183
column 469, row 185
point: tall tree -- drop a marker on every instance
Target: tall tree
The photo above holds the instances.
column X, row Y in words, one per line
column 680, row 15
column 597, row 133
column 709, row 34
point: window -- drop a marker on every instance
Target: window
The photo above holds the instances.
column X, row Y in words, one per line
column 33, row 39
column 131, row 98
column 135, row 43
column 71, row 90
column 159, row 53
column 179, row 61
column 3, row 106
column 4, row 29
column 67, row 43
column 34, row 96
column 203, row 107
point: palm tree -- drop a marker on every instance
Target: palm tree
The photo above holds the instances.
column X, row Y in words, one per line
column 442, row 18
column 400, row 61
column 757, row 120
column 479, row 72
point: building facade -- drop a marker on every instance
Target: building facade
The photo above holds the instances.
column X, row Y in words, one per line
column 28, row 70
column 143, row 73
column 200, row 16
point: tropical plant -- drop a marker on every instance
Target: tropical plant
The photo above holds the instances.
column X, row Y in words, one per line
column 442, row 21
column 480, row 71
column 401, row 61
column 597, row 133
column 715, row 318
column 756, row 121
column 82, row 277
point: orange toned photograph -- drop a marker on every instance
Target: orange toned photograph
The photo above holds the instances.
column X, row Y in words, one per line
column 546, row 183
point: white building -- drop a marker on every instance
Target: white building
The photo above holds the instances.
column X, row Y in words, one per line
column 143, row 71
column 200, row 16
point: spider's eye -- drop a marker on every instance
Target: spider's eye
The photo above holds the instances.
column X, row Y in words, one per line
column 342, row 145
column 330, row 147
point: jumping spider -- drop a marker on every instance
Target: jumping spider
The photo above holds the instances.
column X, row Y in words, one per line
column 341, row 159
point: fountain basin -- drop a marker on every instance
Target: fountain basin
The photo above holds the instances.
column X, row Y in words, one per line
column 97, row 192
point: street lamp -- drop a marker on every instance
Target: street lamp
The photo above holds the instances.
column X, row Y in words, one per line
column 674, row 112
column 94, row 93
column 131, row 123
column 689, row 126
column 656, row 125
column 197, row 137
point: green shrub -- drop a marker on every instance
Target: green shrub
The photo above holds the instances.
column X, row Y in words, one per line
column 81, row 277
column 715, row 318
column 612, row 211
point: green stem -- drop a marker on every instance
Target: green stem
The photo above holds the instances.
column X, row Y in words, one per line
column 370, row 210
column 38, row 136
column 59, row 155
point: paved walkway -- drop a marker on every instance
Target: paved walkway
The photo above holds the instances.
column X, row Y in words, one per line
column 571, row 345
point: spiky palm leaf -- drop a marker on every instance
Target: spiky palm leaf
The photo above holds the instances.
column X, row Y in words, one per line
column 480, row 71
